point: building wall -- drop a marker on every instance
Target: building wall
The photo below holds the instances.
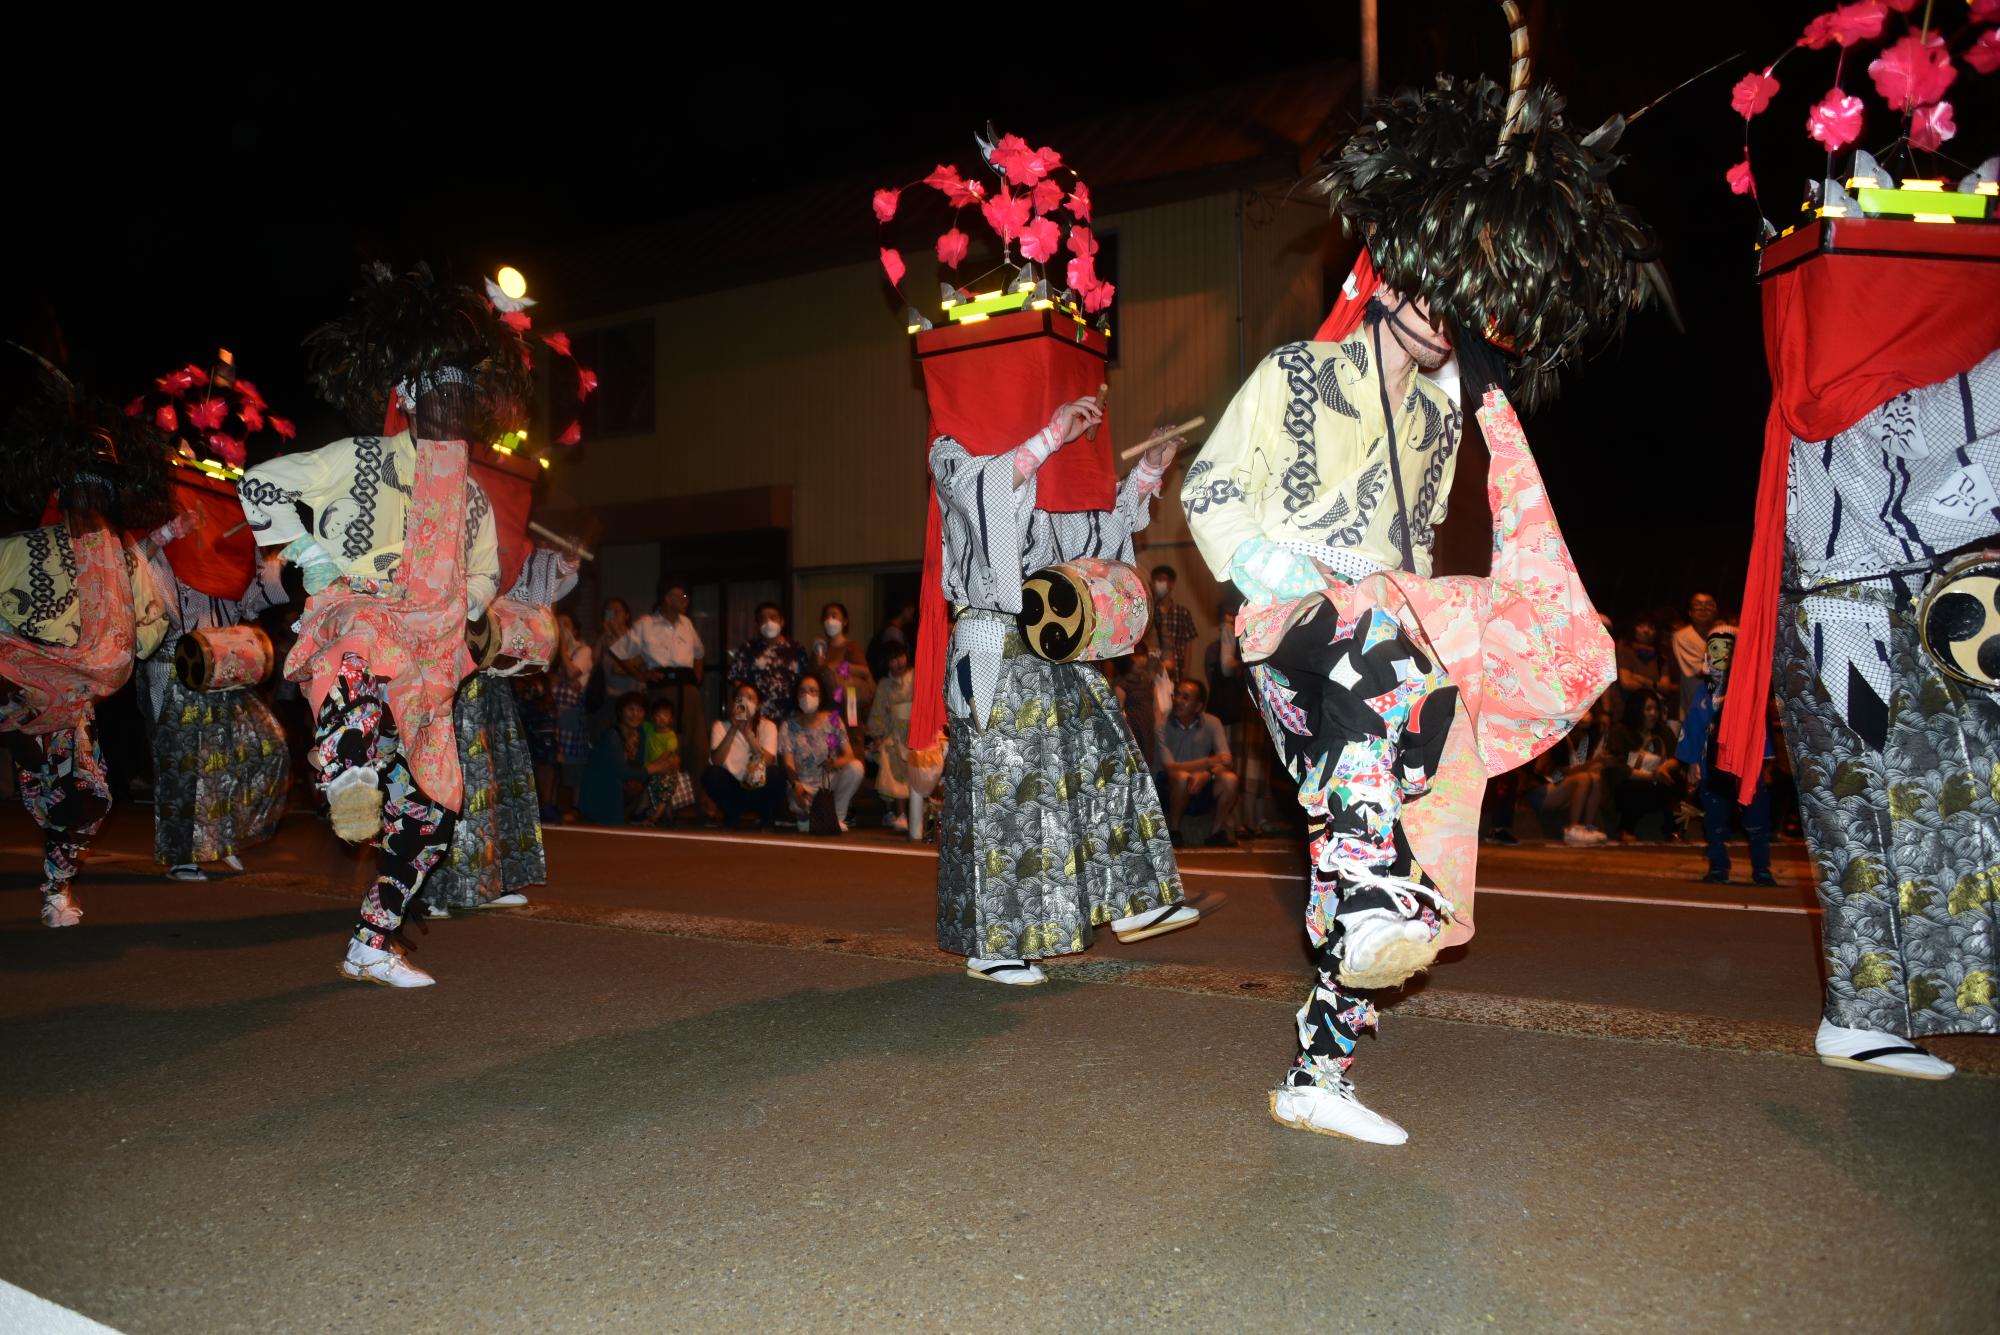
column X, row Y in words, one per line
column 810, row 382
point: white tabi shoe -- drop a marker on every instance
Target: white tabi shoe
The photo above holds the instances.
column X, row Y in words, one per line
column 231, row 861
column 384, row 968
column 1885, row 1054
column 59, row 910
column 1154, row 922
column 513, row 899
column 1333, row 1112
column 1014, row 973
column 186, row 871
column 435, row 911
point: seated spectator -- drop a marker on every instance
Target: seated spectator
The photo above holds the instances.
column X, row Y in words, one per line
column 1198, row 773
column 839, row 656
column 1640, row 769
column 771, row 662
column 614, row 779
column 889, row 729
column 668, row 787
column 817, row 756
column 899, row 631
column 743, row 774
column 1642, row 666
column 1569, row 777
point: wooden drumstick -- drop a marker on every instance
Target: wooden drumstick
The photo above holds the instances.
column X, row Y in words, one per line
column 570, row 545
column 232, row 532
column 1191, row 424
column 1103, row 397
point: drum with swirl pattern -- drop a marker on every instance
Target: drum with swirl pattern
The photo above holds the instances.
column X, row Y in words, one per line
column 1958, row 620
column 1084, row 610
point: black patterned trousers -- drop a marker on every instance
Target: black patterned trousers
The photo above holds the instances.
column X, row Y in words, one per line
column 64, row 788
column 1359, row 715
column 355, row 729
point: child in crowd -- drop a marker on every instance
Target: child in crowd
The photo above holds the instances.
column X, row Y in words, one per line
column 668, row 787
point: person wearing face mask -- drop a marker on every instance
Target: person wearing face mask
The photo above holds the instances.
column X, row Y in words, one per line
column 1173, row 629
column 841, row 657
column 770, row 661
column 744, row 775
column 818, row 759
column 889, row 729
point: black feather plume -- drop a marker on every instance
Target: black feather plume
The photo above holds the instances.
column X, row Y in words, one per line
column 65, row 443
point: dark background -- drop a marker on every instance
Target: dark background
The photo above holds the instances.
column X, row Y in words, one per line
column 214, row 190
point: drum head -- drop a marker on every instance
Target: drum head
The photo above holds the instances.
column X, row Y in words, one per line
column 1056, row 618
column 1958, row 620
column 191, row 663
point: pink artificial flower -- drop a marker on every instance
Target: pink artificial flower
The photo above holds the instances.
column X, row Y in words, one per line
column 1912, row 72
column 136, row 406
column 227, row 448
column 1836, row 120
column 885, row 204
column 1818, row 33
column 518, row 321
column 252, row 415
column 1931, row 126
column 1020, row 164
column 586, row 383
column 1752, row 93
column 1006, row 213
column 284, row 428
column 1858, row 22
column 892, row 264
column 951, row 248
column 1740, row 181
column 248, row 391
column 1083, row 274
column 1984, row 11
column 958, row 190
column 1041, row 241
column 1047, row 195
column 1984, row 54
column 571, row 434
column 1079, row 202
column 165, row 418
column 175, row 383
column 1099, row 297
column 560, row 342
column 1082, row 242
column 208, row 414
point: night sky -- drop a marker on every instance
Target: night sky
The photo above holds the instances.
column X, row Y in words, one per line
column 171, row 211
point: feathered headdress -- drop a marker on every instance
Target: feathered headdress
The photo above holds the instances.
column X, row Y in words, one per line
column 66, row 444
column 404, row 335
column 1486, row 203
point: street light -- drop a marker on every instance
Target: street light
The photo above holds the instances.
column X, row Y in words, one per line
column 512, row 282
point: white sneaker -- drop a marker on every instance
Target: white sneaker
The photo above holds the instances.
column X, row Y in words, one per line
column 1380, row 949
column 1333, row 1112
column 435, row 911
column 1582, row 836
column 59, row 910
column 384, row 968
column 186, row 871
column 231, row 861
column 900, row 823
column 1154, row 922
column 1014, row 973
column 513, row 899
column 1870, row 1050
column 805, row 827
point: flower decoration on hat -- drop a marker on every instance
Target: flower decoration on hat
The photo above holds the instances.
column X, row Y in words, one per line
column 1912, row 68
column 211, row 416
column 1035, row 205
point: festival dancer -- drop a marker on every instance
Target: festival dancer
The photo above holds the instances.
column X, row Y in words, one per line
column 496, row 847
column 1051, row 826
column 1319, row 493
column 401, row 556
column 221, row 764
column 1869, row 602
column 74, row 605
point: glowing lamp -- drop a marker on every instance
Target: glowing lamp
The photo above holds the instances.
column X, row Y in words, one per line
column 512, row 282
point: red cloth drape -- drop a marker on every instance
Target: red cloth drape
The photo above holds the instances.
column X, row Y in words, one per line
column 990, row 387
column 1843, row 334
column 206, row 560
column 1352, row 303
column 512, row 499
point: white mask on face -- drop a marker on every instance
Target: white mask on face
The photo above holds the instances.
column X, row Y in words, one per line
column 833, row 627
column 808, row 704
column 1161, row 588
column 770, row 629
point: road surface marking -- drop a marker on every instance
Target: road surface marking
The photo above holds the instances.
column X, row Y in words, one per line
column 766, row 842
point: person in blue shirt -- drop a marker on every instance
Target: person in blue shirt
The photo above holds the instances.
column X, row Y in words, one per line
column 1716, row 790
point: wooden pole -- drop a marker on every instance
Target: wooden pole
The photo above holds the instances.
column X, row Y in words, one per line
column 1371, row 53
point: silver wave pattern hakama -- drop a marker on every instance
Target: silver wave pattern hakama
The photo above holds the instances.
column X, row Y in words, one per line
column 1051, row 824
column 496, row 846
column 221, row 773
